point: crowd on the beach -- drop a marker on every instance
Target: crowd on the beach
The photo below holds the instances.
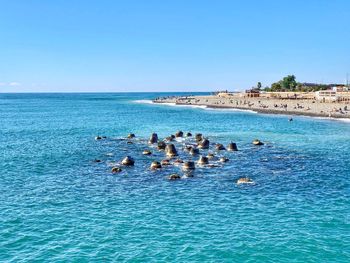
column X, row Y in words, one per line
column 307, row 107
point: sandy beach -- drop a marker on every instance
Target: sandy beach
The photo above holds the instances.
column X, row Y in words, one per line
column 266, row 105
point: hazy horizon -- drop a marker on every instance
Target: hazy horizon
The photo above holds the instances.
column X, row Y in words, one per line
column 196, row 46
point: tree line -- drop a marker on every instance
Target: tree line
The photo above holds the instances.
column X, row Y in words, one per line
column 289, row 83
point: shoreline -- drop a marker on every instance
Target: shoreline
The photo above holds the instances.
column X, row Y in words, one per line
column 264, row 106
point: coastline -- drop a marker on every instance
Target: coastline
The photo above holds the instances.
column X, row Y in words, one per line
column 266, row 106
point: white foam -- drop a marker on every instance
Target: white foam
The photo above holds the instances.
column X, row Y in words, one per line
column 144, row 101
column 231, row 109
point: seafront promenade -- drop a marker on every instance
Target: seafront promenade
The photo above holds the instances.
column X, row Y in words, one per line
column 266, row 105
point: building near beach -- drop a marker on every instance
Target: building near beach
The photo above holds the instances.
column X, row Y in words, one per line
column 326, row 95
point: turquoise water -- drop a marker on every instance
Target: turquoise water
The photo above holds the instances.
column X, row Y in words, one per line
column 56, row 204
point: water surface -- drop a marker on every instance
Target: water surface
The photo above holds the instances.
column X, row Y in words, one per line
column 56, row 204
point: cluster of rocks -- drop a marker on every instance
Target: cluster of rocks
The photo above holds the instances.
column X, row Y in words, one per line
column 194, row 146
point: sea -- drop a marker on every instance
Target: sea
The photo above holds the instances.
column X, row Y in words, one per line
column 57, row 204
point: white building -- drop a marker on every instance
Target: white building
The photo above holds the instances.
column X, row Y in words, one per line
column 326, row 95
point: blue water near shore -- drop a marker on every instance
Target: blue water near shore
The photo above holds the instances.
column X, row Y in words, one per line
column 57, row 205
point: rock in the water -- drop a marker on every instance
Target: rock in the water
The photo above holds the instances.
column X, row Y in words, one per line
column 245, row 180
column 97, row 161
column 170, row 150
column 194, row 151
column 161, row 145
column 203, row 160
column 116, row 170
column 169, row 139
column 128, row 161
column 198, row 137
column 223, row 159
column 174, row 177
column 131, row 135
column 129, row 142
column 203, row 144
column 219, row 147
column 155, row 165
column 211, row 156
column 189, row 165
column 146, row 152
column 165, row 162
column 98, row 138
column 179, row 134
column 188, row 134
column 153, row 138
column 232, row 147
column 178, row 161
column 258, row 142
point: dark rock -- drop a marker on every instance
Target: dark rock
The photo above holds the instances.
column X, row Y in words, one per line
column 189, row 165
column 131, row 135
column 198, row 137
column 203, row 144
column 155, row 165
column 170, row 150
column 161, row 145
column 128, row 161
column 116, row 170
column 153, row 138
column 146, row 152
column 194, row 151
column 203, row 160
column 219, row 147
column 258, row 142
column 174, row 177
column 232, row 147
column 179, row 134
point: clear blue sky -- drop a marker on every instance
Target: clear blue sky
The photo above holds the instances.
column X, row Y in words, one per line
column 100, row 45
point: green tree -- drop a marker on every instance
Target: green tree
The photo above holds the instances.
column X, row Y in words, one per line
column 259, row 86
column 289, row 83
column 276, row 87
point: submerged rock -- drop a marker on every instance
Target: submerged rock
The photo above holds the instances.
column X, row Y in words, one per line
column 203, row 160
column 245, row 180
column 97, row 161
column 155, row 165
column 146, row 152
column 223, row 159
column 258, row 142
column 116, row 170
column 165, row 162
column 188, row 134
column 153, row 139
column 203, row 144
column 232, row 147
column 174, row 177
column 98, row 138
column 128, row 161
column 131, row 135
column 178, row 161
column 170, row 150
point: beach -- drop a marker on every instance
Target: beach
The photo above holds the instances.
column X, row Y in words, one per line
column 265, row 105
